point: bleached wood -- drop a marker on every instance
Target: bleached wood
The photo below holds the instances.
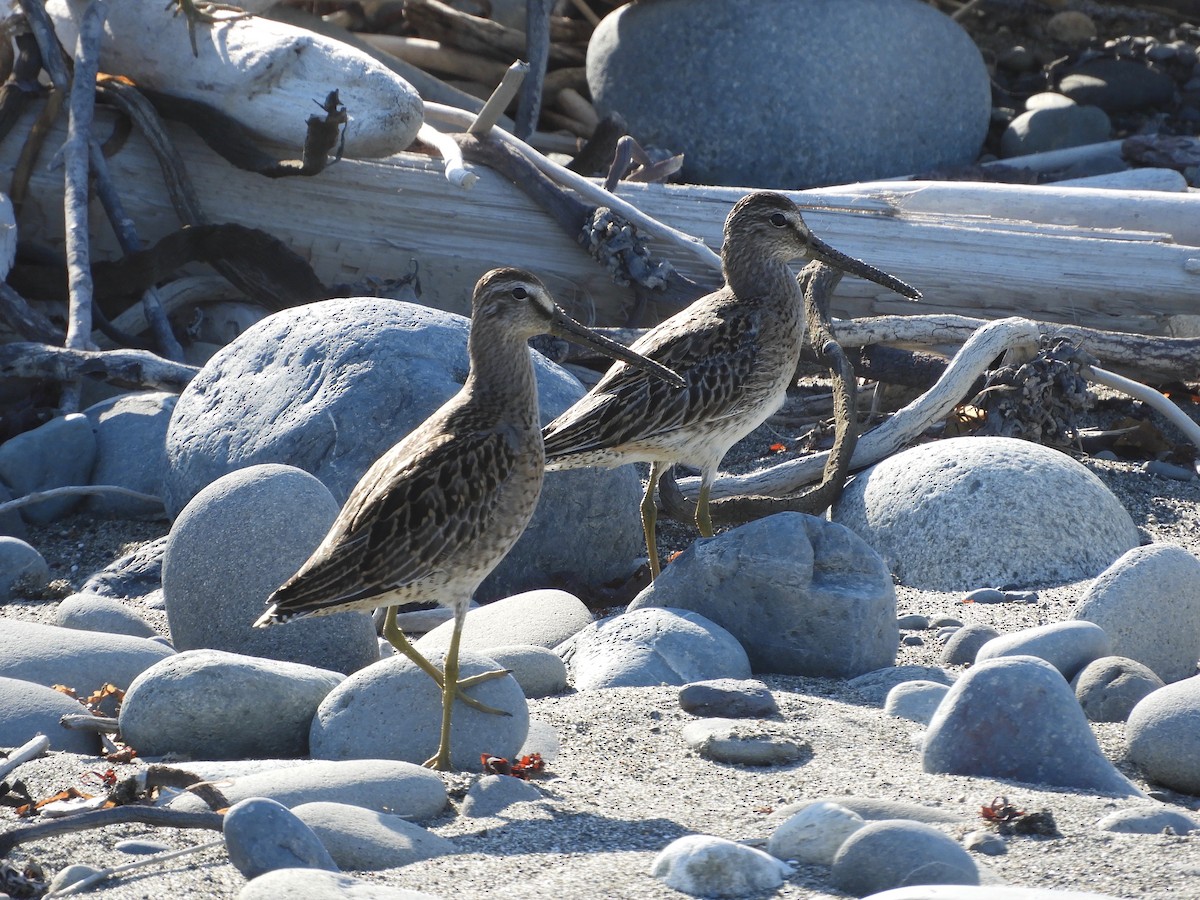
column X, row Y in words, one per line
column 438, row 57
column 373, row 217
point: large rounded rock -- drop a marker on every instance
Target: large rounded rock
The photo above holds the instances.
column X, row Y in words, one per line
column 542, row 618
column 365, row 840
column 1162, row 736
column 393, row 710
column 21, row 567
column 56, row 454
column 986, row 510
column 803, row 596
column 84, row 660
column 1015, row 717
column 236, row 542
column 1068, row 646
column 262, row 835
column 897, row 853
column 707, row 866
column 1148, row 602
column 185, row 705
column 28, row 709
column 330, row 386
column 130, row 430
column 792, row 93
column 1110, row 687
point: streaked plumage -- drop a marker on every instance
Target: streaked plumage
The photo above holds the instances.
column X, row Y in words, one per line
column 737, row 349
column 435, row 514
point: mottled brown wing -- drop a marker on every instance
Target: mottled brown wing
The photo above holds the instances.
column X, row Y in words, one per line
column 716, row 352
column 404, row 520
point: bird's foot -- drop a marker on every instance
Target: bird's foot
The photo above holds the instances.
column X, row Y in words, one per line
column 471, row 681
column 440, row 762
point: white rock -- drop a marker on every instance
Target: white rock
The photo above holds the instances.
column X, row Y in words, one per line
column 813, row 835
column 707, row 866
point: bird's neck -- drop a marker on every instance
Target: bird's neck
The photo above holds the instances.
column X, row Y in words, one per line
column 753, row 274
column 501, row 369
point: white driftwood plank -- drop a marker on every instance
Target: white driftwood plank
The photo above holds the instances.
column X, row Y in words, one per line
column 373, row 217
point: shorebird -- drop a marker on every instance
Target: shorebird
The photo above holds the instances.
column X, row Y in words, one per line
column 438, row 511
column 737, row 349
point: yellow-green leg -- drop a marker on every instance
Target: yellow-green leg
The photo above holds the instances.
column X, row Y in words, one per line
column 450, row 690
column 650, row 518
column 393, row 634
column 703, row 519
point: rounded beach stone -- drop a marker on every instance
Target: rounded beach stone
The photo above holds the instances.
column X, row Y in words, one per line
column 962, row 646
column 130, row 431
column 814, row 835
column 384, row 785
column 538, row 671
column 91, row 612
column 236, row 542
column 365, row 840
column 897, row 853
column 1162, row 736
column 542, row 618
column 732, row 698
column 28, row 709
column 915, row 700
column 802, row 595
column 21, row 567
column 329, row 387
column 1068, row 646
column 1110, row 687
column 1054, row 128
column 792, row 94
column 57, row 454
column 191, row 703
column 393, row 710
column 492, row 794
column 1149, row 820
column 84, row 660
column 1015, row 717
column 262, row 835
column 744, row 742
column 653, row 646
column 1148, row 602
column 706, row 866
column 966, row 511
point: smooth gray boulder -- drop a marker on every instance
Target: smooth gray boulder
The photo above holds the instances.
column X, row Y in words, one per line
column 731, row 698
column 746, row 742
column 539, row 671
column 847, row 91
column 190, row 704
column 1110, row 687
column 1162, row 736
column 316, row 884
column 874, row 687
column 962, row 646
column 915, row 700
column 28, row 709
column 329, row 387
column 365, row 840
column 896, row 853
column 393, row 710
column 653, row 646
column 802, row 595
column 262, row 835
column 91, row 612
column 22, row 567
column 542, row 618
column 1046, row 517
column 814, row 835
column 236, row 542
column 1148, row 602
column 130, row 433
column 707, row 866
column 56, row 454
column 492, row 794
column 1068, row 646
column 1054, row 128
column 384, row 785
column 1148, row 820
column 1015, row 717
column 84, row 660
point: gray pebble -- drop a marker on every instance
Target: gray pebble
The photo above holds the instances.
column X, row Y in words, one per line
column 27, row 709
column 141, row 847
column 1166, row 470
column 542, row 618
column 1148, row 820
column 706, row 866
column 894, row 853
column 57, row 454
column 539, row 671
column 21, row 567
column 943, row 634
column 912, row 622
column 915, row 700
column 1068, row 646
column 1110, row 687
column 365, row 840
column 945, row 622
column 984, row 595
column 875, row 809
column 315, row 884
column 492, row 794
column 136, row 574
column 912, row 640
column 813, row 835
column 130, row 433
column 1054, row 128
column 964, row 644
column 262, row 835
column 91, row 612
column 71, row 874
column 1162, row 736
column 986, row 842
column 743, row 741
column 875, row 686
column 84, row 660
column 730, row 698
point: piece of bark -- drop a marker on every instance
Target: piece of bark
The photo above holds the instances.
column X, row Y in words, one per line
column 130, row 369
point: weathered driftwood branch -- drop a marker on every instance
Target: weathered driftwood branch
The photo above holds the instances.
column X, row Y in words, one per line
column 133, row 369
column 24, row 320
column 31, row 749
column 74, row 490
column 537, row 52
column 440, row 22
column 514, row 76
column 157, row 859
column 433, row 55
column 102, row 818
column 1150, row 397
column 90, row 723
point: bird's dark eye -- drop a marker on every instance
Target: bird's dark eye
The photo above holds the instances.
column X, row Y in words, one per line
column 778, row 220
column 520, row 293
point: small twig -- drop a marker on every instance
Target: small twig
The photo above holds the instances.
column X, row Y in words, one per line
column 96, row 877
column 101, row 818
column 94, row 724
column 74, row 491
column 456, row 171
column 31, row 749
column 487, row 118
column 23, row 319
column 965, row 8
column 587, row 12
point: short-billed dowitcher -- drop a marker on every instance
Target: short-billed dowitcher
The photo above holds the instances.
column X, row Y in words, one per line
column 437, row 512
column 737, row 348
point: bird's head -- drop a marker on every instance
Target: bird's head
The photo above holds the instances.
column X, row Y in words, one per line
column 772, row 223
column 515, row 301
